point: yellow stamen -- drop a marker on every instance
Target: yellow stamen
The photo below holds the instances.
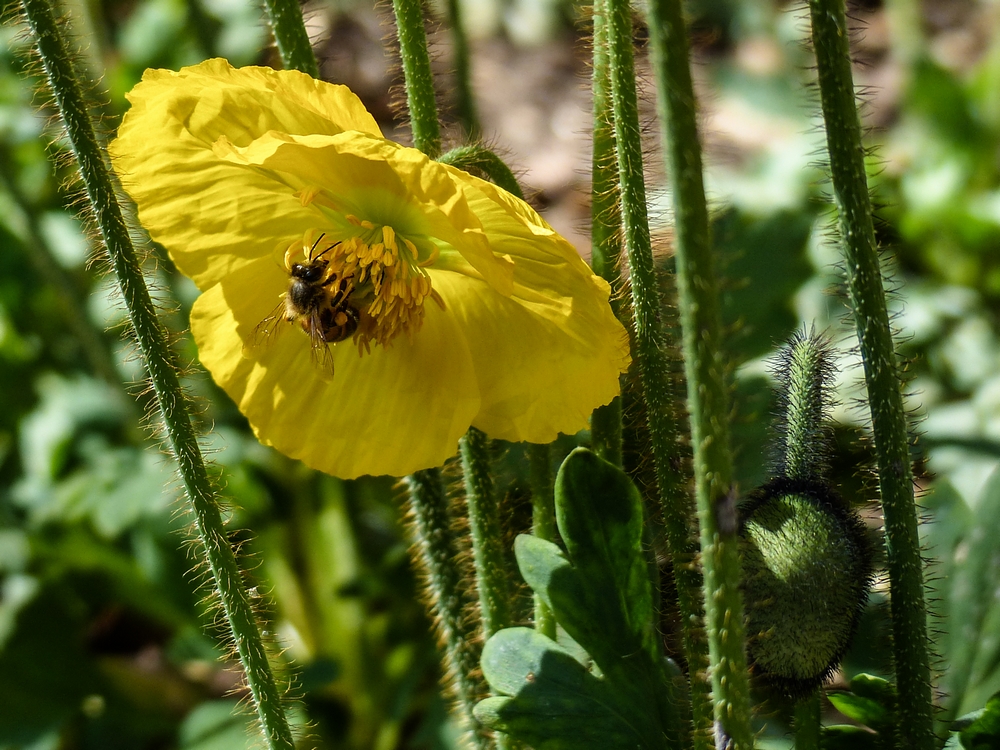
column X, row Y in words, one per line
column 429, row 260
column 389, row 237
column 308, row 194
column 363, row 223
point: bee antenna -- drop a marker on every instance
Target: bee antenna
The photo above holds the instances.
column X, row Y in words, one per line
column 313, row 248
column 325, row 251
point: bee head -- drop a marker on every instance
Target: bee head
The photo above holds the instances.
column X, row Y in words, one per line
column 308, row 272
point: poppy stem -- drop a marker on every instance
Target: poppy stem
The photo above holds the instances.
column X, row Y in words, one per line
column 418, row 79
column 162, row 368
column 605, row 227
column 720, row 604
column 492, row 580
column 290, row 35
column 437, row 552
column 487, row 535
column 543, row 522
column 831, row 41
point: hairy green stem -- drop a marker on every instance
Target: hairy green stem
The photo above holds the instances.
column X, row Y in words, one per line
column 437, row 553
column 481, row 159
column 291, row 37
column 492, row 580
column 487, row 538
column 605, row 225
column 543, row 522
column 162, row 368
column 417, row 75
column 708, row 405
column 831, row 36
column 465, row 101
column 712, row 460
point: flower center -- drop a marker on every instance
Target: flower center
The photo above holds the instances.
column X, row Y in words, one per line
column 375, row 276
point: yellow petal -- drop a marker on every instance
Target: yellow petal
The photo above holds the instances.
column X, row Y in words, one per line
column 393, row 411
column 553, row 351
column 212, row 215
column 542, row 364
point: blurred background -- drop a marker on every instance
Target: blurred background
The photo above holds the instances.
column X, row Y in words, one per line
column 106, row 637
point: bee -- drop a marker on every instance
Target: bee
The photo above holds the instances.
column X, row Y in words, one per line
column 319, row 302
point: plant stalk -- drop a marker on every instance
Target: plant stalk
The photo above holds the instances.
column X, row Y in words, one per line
column 162, row 368
column 543, row 522
column 495, row 595
column 492, row 581
column 418, row 79
column 605, row 225
column 291, row 37
column 437, row 552
column 831, row 36
column 708, row 403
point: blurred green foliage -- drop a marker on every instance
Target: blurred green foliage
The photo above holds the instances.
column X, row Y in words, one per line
column 106, row 638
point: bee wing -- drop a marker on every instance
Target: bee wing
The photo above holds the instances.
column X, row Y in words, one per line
column 322, row 357
column 265, row 332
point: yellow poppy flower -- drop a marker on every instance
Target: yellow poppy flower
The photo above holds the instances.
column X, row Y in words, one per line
column 362, row 304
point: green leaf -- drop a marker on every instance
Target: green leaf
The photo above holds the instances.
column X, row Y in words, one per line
column 216, row 725
column 45, row 670
column 862, row 710
column 970, row 644
column 599, row 512
column 766, row 258
column 964, row 722
column 871, row 702
column 984, row 732
column 874, row 688
column 555, row 696
column 601, row 594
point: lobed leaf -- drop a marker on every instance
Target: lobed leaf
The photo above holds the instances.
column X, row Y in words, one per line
column 601, row 594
